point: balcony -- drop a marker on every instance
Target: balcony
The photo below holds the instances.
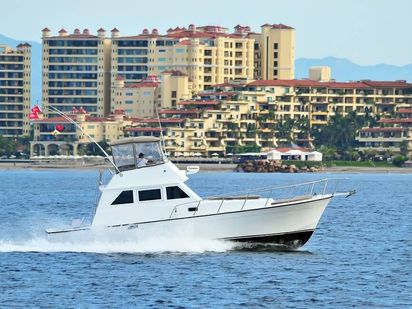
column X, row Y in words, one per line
column 195, row 138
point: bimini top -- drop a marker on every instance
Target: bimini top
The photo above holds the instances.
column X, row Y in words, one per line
column 135, row 152
column 138, row 139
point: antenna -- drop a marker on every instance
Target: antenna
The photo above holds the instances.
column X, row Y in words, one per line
column 162, row 139
column 88, row 136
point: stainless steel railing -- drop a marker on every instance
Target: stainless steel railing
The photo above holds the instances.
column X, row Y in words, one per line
column 313, row 188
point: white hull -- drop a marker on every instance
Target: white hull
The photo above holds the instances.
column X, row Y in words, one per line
column 290, row 224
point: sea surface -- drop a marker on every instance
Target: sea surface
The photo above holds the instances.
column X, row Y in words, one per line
column 360, row 255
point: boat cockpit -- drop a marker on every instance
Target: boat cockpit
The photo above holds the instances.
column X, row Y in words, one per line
column 137, row 152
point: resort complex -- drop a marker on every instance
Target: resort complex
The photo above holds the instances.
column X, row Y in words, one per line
column 205, row 89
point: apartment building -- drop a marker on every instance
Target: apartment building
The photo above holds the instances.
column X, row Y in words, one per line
column 208, row 54
column 249, row 114
column 147, row 97
column 137, row 99
column 15, row 73
column 320, row 100
column 80, row 69
column 76, row 71
column 274, row 52
column 392, row 136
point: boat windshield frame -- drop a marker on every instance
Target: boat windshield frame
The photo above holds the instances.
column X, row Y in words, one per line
column 130, row 154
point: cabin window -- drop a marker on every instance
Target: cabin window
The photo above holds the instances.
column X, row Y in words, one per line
column 150, row 195
column 175, row 193
column 126, row 197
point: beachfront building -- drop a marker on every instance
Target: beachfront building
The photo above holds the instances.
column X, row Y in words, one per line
column 393, row 136
column 320, row 100
column 81, row 69
column 242, row 115
column 76, row 71
column 58, row 136
column 15, row 73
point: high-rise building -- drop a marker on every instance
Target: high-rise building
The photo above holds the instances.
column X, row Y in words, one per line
column 274, row 52
column 15, row 72
column 81, row 69
column 76, row 71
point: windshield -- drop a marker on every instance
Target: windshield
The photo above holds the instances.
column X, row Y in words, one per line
column 137, row 155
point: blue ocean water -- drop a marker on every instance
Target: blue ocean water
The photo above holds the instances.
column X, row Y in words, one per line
column 360, row 255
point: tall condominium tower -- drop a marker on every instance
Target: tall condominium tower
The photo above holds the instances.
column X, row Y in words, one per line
column 15, row 71
column 274, row 52
column 76, row 71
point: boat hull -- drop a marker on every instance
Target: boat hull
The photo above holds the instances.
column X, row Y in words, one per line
column 290, row 225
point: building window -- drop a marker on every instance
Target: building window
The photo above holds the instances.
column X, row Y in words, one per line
column 275, row 72
column 275, row 46
column 275, row 54
column 150, row 195
column 126, row 197
column 175, row 193
column 174, row 94
column 275, row 64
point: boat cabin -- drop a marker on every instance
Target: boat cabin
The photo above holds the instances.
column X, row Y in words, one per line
column 137, row 152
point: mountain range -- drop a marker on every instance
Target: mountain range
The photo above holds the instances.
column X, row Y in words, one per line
column 342, row 69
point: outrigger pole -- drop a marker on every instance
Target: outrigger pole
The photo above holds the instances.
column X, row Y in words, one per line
column 161, row 131
column 88, row 136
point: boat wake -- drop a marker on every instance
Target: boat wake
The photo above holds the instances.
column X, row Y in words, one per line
column 111, row 245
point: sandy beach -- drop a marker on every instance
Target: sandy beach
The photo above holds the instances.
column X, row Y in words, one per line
column 215, row 167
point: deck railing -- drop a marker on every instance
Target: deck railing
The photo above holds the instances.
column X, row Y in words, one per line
column 276, row 194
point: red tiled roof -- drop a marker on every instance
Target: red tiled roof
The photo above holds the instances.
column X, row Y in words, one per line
column 185, row 43
column 386, row 129
column 62, row 30
column 114, row 30
column 209, row 102
column 145, row 129
column 75, row 36
column 53, row 119
column 162, row 120
column 63, row 120
column 307, row 83
column 143, row 85
column 179, row 112
column 100, row 30
column 396, row 120
column 387, row 84
column 216, row 93
column 277, row 26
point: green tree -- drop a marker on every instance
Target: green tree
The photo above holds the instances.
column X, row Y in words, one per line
column 341, row 131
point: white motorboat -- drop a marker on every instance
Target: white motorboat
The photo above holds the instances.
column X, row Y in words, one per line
column 147, row 195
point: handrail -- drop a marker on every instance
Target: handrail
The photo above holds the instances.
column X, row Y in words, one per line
column 264, row 189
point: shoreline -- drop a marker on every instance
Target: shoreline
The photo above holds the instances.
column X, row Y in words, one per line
column 212, row 167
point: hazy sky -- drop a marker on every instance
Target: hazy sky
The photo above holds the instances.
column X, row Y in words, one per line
column 364, row 31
